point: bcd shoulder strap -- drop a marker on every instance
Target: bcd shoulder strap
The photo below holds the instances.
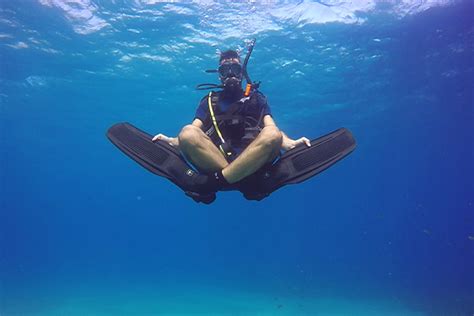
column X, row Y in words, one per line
column 212, row 102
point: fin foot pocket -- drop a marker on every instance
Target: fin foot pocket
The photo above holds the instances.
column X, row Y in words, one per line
column 255, row 196
column 201, row 198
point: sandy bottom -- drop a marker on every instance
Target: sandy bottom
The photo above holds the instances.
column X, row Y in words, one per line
column 195, row 301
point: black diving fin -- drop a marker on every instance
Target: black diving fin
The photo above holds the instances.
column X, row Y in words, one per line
column 299, row 164
column 294, row 166
column 159, row 158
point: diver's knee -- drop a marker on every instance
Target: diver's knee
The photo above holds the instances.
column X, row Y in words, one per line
column 190, row 135
column 272, row 136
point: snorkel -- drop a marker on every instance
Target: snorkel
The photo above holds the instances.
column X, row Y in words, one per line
column 249, row 86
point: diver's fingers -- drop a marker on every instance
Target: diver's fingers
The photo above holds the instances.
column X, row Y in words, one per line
column 303, row 140
column 306, row 141
column 159, row 137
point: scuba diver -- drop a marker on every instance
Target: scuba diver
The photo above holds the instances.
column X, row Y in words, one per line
column 233, row 133
column 233, row 142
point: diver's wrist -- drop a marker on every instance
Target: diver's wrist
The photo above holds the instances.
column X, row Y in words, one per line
column 174, row 141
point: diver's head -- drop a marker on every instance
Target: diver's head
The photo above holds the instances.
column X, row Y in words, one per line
column 230, row 71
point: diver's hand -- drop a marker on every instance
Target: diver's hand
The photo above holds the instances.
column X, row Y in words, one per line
column 289, row 143
column 173, row 141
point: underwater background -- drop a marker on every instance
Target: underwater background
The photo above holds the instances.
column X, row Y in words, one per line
column 389, row 230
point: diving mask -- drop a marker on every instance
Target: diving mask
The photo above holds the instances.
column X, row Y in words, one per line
column 230, row 70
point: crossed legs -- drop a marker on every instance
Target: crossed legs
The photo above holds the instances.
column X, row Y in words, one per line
column 202, row 153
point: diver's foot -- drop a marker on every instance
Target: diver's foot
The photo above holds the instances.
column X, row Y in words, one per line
column 252, row 187
column 255, row 196
column 206, row 198
column 209, row 183
column 206, row 186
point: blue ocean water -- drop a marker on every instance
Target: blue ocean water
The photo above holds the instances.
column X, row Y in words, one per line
column 387, row 231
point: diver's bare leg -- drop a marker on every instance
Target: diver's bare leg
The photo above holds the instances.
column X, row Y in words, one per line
column 263, row 149
column 200, row 150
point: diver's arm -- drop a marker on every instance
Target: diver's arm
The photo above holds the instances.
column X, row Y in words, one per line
column 174, row 141
column 287, row 143
column 268, row 121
